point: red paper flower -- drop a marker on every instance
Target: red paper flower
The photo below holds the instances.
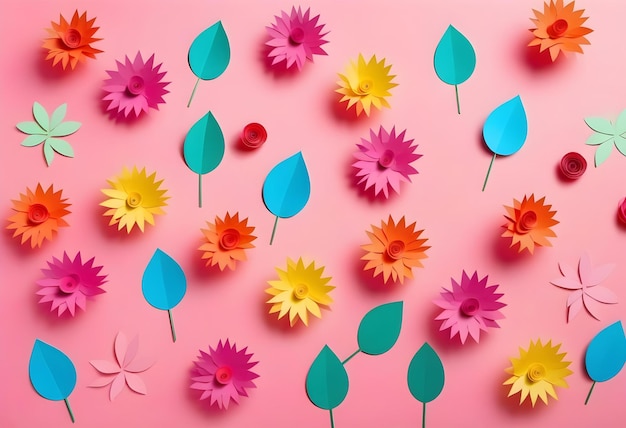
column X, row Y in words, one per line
column 573, row 165
column 253, row 135
column 621, row 211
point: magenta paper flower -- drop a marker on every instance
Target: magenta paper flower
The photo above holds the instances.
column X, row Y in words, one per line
column 68, row 283
column 385, row 161
column 134, row 87
column 295, row 38
column 223, row 374
column 585, row 284
column 469, row 307
column 124, row 370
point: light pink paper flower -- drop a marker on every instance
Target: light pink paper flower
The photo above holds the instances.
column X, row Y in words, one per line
column 135, row 87
column 385, row 161
column 223, row 374
column 124, row 370
column 469, row 307
column 68, row 283
column 585, row 284
column 295, row 38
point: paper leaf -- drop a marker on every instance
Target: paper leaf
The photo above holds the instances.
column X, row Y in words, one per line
column 41, row 116
column 204, row 145
column 455, row 59
column 602, row 152
column 606, row 353
column 48, row 153
column 58, row 115
column 327, row 380
column 287, row 188
column 62, row 147
column 600, row 125
column 33, row 140
column 209, row 53
column 506, row 128
column 380, row 328
column 51, row 372
column 163, row 283
column 31, row 128
column 65, row 129
column 426, row 375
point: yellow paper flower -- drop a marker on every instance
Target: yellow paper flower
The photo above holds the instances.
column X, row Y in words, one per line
column 299, row 290
column 134, row 199
column 226, row 241
column 366, row 84
column 537, row 371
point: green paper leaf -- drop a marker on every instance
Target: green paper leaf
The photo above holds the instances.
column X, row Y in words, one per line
column 204, row 145
column 41, row 116
column 327, row 380
column 48, row 153
column 603, row 152
column 31, row 128
column 620, row 123
column 426, row 375
column 600, row 125
column 33, row 140
column 57, row 116
column 620, row 143
column 65, row 129
column 379, row 329
column 455, row 59
column 209, row 53
column 62, row 147
column 596, row 139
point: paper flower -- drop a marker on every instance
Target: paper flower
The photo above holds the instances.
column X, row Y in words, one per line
column 38, row 215
column 394, row 250
column 135, row 87
column 621, row 210
column 529, row 223
column 295, row 38
column 226, row 241
column 298, row 291
column 70, row 43
column 385, row 161
column 134, row 199
column 606, row 135
column 469, row 307
column 223, row 374
column 559, row 29
column 366, row 84
column 124, row 370
column 573, row 165
column 47, row 129
column 585, row 285
column 68, row 283
column 537, row 371
column 253, row 135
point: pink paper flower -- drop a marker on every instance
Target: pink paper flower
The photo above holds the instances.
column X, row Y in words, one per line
column 68, row 283
column 295, row 38
column 621, row 210
column 469, row 307
column 573, row 165
column 135, row 87
column 223, row 374
column 385, row 161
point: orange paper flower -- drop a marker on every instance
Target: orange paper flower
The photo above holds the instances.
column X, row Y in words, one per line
column 226, row 241
column 394, row 250
column 559, row 29
column 529, row 223
column 38, row 215
column 70, row 43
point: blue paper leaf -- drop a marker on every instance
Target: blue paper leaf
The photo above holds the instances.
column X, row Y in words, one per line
column 606, row 353
column 327, row 380
column 455, row 59
column 51, row 372
column 204, row 145
column 287, row 188
column 506, row 128
column 209, row 54
column 163, row 283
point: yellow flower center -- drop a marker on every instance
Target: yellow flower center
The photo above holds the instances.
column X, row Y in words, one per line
column 229, row 239
column 536, row 372
column 395, row 249
column 38, row 213
column 366, row 86
column 526, row 222
column 301, row 291
column 71, row 38
column 133, row 200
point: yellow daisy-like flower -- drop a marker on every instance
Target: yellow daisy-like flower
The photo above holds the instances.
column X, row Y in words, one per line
column 134, row 199
column 366, row 84
column 299, row 290
column 537, row 371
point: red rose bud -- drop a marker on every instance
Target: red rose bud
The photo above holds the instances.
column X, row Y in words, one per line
column 621, row 211
column 573, row 165
column 253, row 135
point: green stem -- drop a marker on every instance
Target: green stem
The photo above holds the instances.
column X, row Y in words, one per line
column 69, row 409
column 274, row 230
column 193, row 92
column 332, row 420
column 423, row 415
column 458, row 106
column 350, row 357
column 489, row 171
column 169, row 312
column 200, row 190
column 590, row 391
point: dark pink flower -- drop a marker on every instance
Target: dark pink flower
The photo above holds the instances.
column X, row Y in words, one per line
column 621, row 210
column 573, row 165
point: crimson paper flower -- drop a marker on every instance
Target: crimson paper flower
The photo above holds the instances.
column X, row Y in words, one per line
column 253, row 135
column 573, row 165
column 621, row 210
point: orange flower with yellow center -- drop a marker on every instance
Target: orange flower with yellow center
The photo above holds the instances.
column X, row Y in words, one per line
column 226, row 241
column 70, row 42
column 529, row 223
column 38, row 215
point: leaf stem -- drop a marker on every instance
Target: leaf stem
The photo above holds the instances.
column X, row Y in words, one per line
column 169, row 312
column 69, row 409
column 423, row 415
column 332, row 420
column 590, row 391
column 199, row 190
column 489, row 171
column 193, row 92
column 458, row 106
column 350, row 357
column 274, row 230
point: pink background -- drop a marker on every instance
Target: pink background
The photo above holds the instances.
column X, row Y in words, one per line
column 301, row 112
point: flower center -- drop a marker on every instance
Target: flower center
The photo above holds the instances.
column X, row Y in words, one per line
column 296, row 35
column 71, row 38
column 229, row 239
column 38, row 213
column 536, row 372
column 470, row 307
column 133, row 200
column 135, row 85
column 254, row 134
column 301, row 291
column 365, row 86
column 223, row 375
column 527, row 222
column 395, row 249
column 558, row 28
column 386, row 159
column 68, row 284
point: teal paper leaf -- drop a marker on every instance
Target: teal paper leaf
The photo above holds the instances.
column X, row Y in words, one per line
column 506, row 128
column 455, row 59
column 51, row 372
column 163, row 283
column 287, row 188
column 204, row 145
column 209, row 53
column 606, row 136
column 426, row 375
column 380, row 328
column 327, row 380
column 606, row 353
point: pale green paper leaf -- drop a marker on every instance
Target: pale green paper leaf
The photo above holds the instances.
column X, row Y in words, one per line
column 65, row 129
column 596, row 139
column 599, row 124
column 603, row 152
column 48, row 153
column 620, row 123
column 57, row 116
column 41, row 115
column 620, row 143
column 62, row 147
column 31, row 128
column 33, row 140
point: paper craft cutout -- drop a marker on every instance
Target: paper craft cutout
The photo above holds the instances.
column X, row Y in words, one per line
column 425, row 377
column 209, row 55
column 559, row 29
column 68, row 283
column 573, row 165
column 287, row 189
column 471, row 306
column 204, row 148
column 69, row 43
column 606, row 135
column 621, row 210
column 52, row 373
column 38, row 215
column 226, row 241
column 299, row 290
column 47, row 130
column 124, row 370
column 295, row 38
column 366, row 84
column 537, row 371
column 134, row 87
column 385, row 161
column 455, row 60
column 134, row 199
column 585, row 285
column 327, row 382
column 394, row 250
column 223, row 374
column 379, row 329
column 253, row 135
column 529, row 223
column 505, row 130
column 606, row 355
column 164, row 284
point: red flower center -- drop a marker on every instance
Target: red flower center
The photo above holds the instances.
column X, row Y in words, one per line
column 254, row 135
column 133, row 200
column 536, row 372
column 71, row 38
column 301, row 291
column 395, row 249
column 296, row 35
column 470, row 306
column 621, row 211
column 526, row 222
column 230, row 239
column 135, row 85
column 68, row 284
column 223, row 375
column 38, row 213
column 558, row 28
column 573, row 165
column 386, row 159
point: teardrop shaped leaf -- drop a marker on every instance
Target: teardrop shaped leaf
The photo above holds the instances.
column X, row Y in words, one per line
column 209, row 54
column 31, row 128
column 58, row 115
column 506, row 128
column 204, row 145
column 64, row 129
column 62, row 147
column 600, row 124
column 51, row 372
column 606, row 353
column 327, row 380
column 602, row 152
column 41, row 116
column 163, row 283
column 48, row 153
column 287, row 188
column 455, row 59
column 33, row 140
column 426, row 376
column 380, row 328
